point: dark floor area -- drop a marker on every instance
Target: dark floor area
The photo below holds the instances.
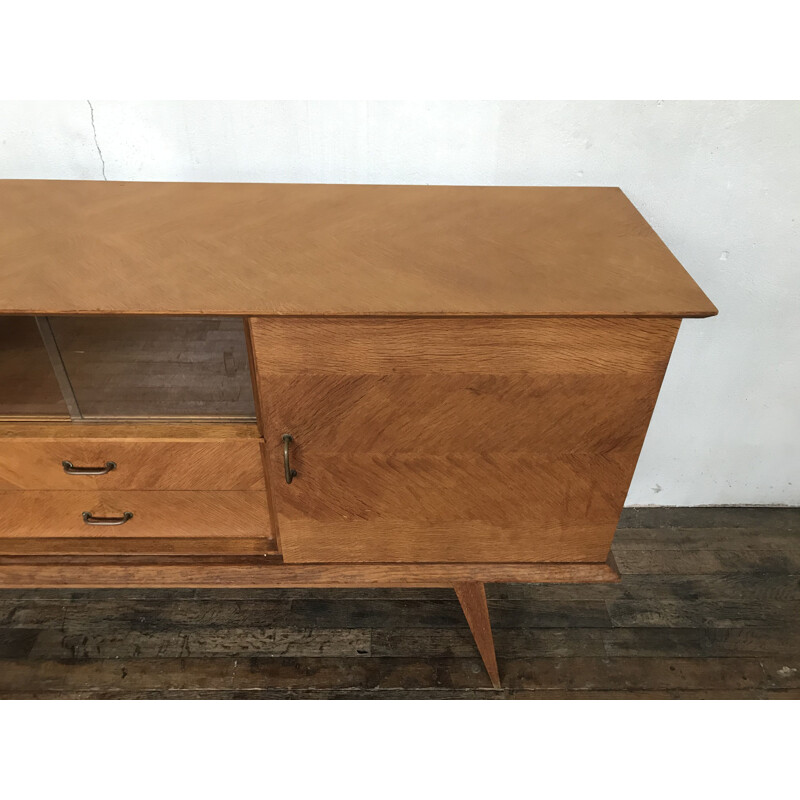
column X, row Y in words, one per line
column 708, row 607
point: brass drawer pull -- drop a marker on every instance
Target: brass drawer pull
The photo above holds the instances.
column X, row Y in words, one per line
column 90, row 519
column 288, row 472
column 71, row 469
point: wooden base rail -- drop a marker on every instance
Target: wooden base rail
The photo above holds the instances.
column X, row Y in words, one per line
column 180, row 572
column 81, row 572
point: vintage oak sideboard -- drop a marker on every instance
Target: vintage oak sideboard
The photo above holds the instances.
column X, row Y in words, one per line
column 262, row 385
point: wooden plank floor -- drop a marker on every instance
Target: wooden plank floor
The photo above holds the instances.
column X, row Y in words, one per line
column 708, row 607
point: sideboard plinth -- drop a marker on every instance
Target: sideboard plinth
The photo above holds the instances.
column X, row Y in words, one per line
column 267, row 572
column 78, row 572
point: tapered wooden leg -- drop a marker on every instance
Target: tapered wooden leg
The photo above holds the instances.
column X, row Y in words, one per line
column 472, row 597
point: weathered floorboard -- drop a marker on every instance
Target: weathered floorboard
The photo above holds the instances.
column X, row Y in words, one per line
column 703, row 610
column 579, row 674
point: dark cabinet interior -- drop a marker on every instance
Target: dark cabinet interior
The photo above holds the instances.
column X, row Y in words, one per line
column 125, row 367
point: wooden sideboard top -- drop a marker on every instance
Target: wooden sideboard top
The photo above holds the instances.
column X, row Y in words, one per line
column 71, row 247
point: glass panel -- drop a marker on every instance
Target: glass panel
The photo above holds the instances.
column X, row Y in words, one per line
column 28, row 385
column 127, row 367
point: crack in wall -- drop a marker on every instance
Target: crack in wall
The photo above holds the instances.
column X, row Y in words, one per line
column 96, row 143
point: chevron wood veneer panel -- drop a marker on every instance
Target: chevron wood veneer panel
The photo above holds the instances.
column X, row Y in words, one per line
column 455, row 440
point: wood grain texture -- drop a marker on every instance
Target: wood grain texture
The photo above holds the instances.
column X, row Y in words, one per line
column 175, row 465
column 472, row 597
column 133, row 431
column 455, row 440
column 410, row 540
column 57, row 548
column 190, row 514
column 333, row 250
column 118, row 573
column 413, row 346
column 388, row 678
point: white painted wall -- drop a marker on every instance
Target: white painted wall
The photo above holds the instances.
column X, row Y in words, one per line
column 719, row 182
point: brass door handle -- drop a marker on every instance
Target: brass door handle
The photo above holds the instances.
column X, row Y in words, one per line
column 71, row 469
column 91, row 519
column 288, row 472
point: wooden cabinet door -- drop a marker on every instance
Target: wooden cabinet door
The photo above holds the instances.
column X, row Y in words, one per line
column 455, row 439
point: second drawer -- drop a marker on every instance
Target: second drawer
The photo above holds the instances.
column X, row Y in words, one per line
column 152, row 514
column 228, row 464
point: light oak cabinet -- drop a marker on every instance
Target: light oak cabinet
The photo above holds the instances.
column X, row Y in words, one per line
column 286, row 385
column 454, row 440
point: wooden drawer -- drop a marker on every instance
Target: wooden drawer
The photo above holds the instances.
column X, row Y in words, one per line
column 179, row 464
column 155, row 514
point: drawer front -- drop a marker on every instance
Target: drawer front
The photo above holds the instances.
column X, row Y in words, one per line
column 455, row 439
column 154, row 514
column 161, row 465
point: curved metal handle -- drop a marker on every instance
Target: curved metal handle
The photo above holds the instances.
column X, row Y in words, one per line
column 91, row 519
column 71, row 469
column 288, row 472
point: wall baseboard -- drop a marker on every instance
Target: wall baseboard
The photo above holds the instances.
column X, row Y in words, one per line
column 783, row 517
